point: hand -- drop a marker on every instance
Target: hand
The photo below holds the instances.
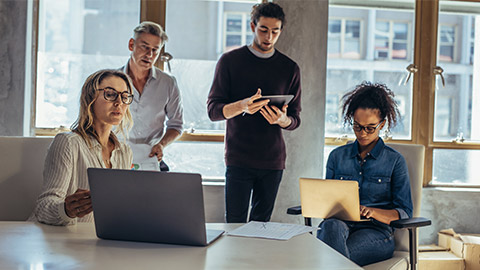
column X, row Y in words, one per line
column 367, row 212
column 250, row 106
column 157, row 150
column 276, row 116
column 78, row 204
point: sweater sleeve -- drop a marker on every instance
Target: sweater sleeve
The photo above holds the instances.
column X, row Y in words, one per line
column 57, row 176
column 219, row 92
column 294, row 108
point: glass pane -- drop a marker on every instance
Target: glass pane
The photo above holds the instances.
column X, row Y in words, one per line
column 459, row 167
column 352, row 49
column 457, row 105
column 234, row 22
column 352, row 60
column 334, row 27
column 196, row 44
column 339, row 82
column 196, row 157
column 399, row 50
column 400, row 31
column 234, row 41
column 75, row 38
column 352, row 29
column 334, row 48
column 403, row 97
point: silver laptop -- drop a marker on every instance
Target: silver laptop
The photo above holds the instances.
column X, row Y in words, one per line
column 148, row 206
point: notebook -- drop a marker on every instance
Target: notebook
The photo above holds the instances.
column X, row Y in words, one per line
column 323, row 198
column 148, row 206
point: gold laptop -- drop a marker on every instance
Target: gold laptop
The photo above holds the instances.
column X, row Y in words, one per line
column 323, row 198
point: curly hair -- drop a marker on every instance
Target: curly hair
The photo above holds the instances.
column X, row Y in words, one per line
column 369, row 95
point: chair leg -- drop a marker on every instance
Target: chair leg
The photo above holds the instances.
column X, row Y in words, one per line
column 308, row 221
column 413, row 248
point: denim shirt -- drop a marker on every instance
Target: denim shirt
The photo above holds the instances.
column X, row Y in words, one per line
column 382, row 176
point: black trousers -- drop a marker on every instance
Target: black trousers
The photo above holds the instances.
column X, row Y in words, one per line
column 241, row 183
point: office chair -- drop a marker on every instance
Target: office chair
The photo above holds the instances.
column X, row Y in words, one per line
column 405, row 255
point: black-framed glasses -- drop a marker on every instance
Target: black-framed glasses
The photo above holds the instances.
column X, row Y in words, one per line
column 111, row 94
column 368, row 129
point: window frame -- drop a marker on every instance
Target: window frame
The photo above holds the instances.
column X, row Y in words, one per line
column 343, row 27
column 391, row 40
column 454, row 44
column 423, row 95
column 244, row 31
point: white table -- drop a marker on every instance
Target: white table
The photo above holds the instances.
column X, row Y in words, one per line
column 25, row 245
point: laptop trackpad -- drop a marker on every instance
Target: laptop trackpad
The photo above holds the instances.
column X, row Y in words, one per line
column 213, row 235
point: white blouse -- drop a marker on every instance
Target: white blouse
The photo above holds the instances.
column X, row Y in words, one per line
column 65, row 171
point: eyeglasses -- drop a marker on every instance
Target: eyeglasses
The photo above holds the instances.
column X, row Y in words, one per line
column 111, row 94
column 368, row 129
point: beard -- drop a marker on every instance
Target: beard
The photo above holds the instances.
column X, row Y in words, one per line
column 259, row 46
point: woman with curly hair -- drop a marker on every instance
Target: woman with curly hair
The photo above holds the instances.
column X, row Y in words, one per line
column 381, row 173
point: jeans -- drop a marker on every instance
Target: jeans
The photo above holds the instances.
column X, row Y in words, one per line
column 239, row 183
column 362, row 242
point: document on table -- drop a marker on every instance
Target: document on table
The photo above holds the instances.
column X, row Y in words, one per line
column 270, row 230
column 141, row 160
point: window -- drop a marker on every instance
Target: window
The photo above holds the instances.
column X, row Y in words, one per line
column 391, row 40
column 443, row 111
column 196, row 44
column 457, row 104
column 446, row 52
column 237, row 30
column 344, row 38
column 75, row 38
column 387, row 51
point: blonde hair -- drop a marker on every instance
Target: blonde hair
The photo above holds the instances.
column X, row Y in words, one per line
column 84, row 123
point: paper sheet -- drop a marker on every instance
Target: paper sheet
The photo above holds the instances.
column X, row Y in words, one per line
column 270, row 230
column 141, row 160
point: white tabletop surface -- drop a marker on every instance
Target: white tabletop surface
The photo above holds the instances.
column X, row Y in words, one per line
column 25, row 245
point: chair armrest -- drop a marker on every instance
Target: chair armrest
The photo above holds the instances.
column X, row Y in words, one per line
column 410, row 223
column 296, row 210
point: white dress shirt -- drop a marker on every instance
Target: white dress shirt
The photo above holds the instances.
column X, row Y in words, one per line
column 160, row 99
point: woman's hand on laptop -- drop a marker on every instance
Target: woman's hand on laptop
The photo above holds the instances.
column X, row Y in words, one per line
column 383, row 215
column 78, row 204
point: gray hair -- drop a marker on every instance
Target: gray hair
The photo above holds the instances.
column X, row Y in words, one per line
column 150, row 28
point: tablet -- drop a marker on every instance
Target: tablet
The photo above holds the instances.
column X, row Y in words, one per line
column 278, row 100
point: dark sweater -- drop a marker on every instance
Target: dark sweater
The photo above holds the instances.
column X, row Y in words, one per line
column 250, row 141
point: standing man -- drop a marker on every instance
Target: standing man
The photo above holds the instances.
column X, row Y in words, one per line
column 156, row 95
column 254, row 146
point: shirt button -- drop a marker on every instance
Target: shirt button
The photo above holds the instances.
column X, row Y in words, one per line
column 379, row 180
column 341, row 178
column 360, row 173
column 364, row 160
column 368, row 154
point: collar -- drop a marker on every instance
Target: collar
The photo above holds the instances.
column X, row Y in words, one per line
column 376, row 151
column 151, row 74
column 95, row 144
column 259, row 54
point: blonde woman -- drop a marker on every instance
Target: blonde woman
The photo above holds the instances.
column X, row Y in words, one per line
column 104, row 103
